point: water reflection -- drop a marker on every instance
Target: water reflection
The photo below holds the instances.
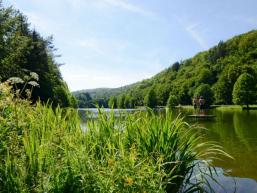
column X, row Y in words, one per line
column 236, row 131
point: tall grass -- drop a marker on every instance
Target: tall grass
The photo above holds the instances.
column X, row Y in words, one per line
column 45, row 150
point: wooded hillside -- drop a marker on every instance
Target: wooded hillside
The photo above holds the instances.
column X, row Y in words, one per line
column 211, row 73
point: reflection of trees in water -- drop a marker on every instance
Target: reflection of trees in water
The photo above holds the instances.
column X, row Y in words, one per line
column 246, row 158
column 222, row 130
column 236, row 132
column 245, row 125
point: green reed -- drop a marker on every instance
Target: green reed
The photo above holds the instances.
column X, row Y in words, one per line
column 48, row 151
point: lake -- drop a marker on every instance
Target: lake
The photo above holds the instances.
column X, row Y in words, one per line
column 236, row 132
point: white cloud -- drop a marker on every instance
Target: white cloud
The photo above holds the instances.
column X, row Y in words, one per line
column 92, row 44
column 104, row 4
column 108, row 49
column 129, row 7
column 192, row 30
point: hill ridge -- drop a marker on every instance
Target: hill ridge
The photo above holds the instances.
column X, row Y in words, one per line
column 218, row 67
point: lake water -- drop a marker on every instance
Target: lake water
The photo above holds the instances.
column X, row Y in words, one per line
column 236, row 131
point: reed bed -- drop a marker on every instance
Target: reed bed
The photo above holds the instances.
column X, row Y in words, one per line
column 45, row 150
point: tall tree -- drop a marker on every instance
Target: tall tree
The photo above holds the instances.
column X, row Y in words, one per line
column 120, row 102
column 172, row 101
column 244, row 91
column 112, row 103
column 206, row 92
column 23, row 50
column 150, row 99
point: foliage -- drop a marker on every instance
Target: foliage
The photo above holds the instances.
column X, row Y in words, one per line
column 205, row 91
column 23, row 50
column 172, row 101
column 112, row 103
column 150, row 99
column 95, row 95
column 205, row 76
column 46, row 150
column 244, row 91
column 121, row 102
column 84, row 100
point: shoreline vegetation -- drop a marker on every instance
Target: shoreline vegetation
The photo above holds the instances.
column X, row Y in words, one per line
column 44, row 149
column 217, row 107
column 222, row 107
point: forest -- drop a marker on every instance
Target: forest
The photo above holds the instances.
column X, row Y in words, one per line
column 224, row 74
column 24, row 51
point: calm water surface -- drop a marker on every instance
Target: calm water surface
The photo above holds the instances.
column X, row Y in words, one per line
column 236, row 131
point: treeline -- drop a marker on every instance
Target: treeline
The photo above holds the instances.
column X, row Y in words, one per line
column 225, row 74
column 88, row 98
column 85, row 100
column 23, row 50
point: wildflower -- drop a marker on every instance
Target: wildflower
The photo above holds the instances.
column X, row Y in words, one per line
column 26, row 78
column 129, row 181
column 110, row 162
column 33, row 83
column 34, row 76
column 28, row 93
column 15, row 80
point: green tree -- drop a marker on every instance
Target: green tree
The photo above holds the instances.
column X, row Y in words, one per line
column 112, row 103
column 175, row 66
column 162, row 94
column 205, row 76
column 206, row 92
column 120, row 101
column 84, row 100
column 150, row 99
column 244, row 91
column 172, row 101
column 23, row 50
column 132, row 102
column 222, row 92
column 127, row 101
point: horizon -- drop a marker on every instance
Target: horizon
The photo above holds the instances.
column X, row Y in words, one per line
column 106, row 52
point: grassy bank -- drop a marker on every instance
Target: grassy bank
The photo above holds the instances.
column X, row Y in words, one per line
column 220, row 107
column 45, row 150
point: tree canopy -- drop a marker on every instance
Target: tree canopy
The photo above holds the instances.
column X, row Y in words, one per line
column 244, row 91
column 150, row 99
column 24, row 50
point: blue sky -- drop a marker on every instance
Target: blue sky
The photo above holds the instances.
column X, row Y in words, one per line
column 111, row 43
